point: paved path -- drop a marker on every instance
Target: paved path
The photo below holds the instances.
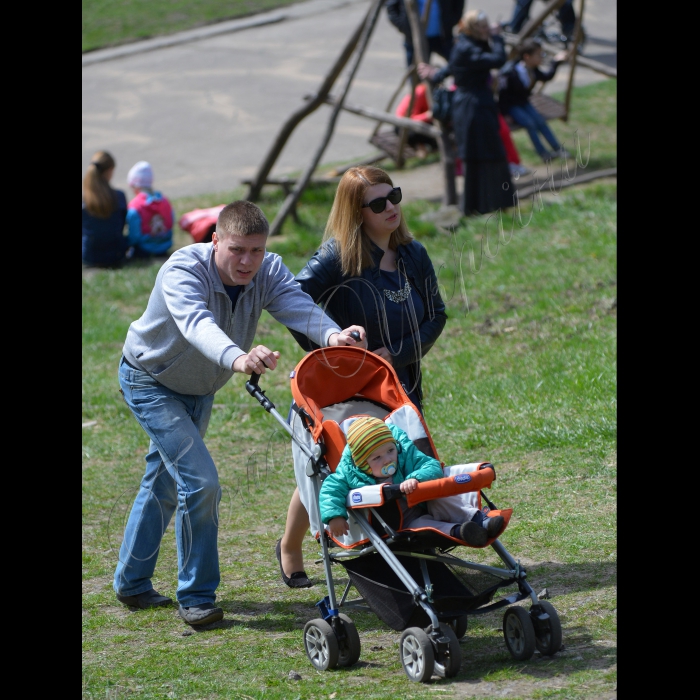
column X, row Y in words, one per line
column 204, row 106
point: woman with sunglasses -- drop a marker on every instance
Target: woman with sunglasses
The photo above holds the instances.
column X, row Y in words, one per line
column 370, row 269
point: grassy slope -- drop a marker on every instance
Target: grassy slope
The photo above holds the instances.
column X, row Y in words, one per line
column 108, row 23
column 524, row 375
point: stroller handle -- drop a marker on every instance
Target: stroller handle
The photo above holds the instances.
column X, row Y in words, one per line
column 257, row 393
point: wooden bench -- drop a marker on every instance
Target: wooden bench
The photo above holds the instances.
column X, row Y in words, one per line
column 547, row 106
column 387, row 140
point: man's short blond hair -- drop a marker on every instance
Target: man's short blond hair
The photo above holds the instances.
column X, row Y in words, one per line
column 242, row 218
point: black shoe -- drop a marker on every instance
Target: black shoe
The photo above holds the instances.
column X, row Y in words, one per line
column 145, row 600
column 473, row 534
column 298, row 579
column 494, row 526
column 203, row 614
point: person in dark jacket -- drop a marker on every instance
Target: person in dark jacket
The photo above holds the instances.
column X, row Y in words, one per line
column 478, row 50
column 516, row 82
column 369, row 267
column 444, row 15
column 104, row 215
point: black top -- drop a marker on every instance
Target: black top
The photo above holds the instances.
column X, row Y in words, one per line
column 360, row 300
column 511, row 89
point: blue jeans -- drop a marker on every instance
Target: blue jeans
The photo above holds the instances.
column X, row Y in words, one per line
column 529, row 118
column 180, row 478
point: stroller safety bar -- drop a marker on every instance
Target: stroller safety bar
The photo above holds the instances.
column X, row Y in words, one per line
column 377, row 494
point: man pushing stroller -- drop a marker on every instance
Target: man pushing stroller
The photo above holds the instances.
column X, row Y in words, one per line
column 377, row 453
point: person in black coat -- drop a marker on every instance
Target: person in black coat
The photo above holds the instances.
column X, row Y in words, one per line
column 479, row 49
column 439, row 37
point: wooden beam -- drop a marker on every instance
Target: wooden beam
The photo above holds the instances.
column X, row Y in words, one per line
column 421, row 55
column 410, row 124
column 296, row 117
column 291, row 200
column 573, row 56
column 560, row 182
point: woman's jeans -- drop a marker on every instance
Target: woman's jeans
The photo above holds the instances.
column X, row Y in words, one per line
column 180, row 478
column 529, row 118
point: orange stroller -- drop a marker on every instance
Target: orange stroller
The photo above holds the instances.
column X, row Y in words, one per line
column 410, row 578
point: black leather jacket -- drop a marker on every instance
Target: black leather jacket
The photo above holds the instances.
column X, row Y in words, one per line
column 357, row 300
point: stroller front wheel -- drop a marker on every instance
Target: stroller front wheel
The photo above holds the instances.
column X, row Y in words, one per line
column 548, row 636
column 519, row 633
column 350, row 647
column 321, row 644
column 417, row 655
column 459, row 625
column 448, row 664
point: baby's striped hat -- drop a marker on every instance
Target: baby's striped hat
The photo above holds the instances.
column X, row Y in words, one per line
column 364, row 436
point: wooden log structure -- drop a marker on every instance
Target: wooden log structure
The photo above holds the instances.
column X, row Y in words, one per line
column 421, row 55
column 290, row 201
column 296, row 117
column 410, row 124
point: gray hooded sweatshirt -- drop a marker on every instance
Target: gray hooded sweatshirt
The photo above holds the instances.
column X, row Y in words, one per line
column 189, row 335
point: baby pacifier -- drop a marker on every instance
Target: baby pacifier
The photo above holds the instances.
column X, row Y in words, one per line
column 389, row 469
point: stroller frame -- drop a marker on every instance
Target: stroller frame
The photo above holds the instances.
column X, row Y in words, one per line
column 425, row 649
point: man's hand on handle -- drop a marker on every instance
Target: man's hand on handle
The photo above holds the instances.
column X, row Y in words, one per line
column 258, row 360
column 345, row 337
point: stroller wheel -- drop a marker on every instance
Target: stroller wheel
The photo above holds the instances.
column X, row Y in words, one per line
column 459, row 625
column 321, row 644
column 448, row 665
column 548, row 635
column 350, row 647
column 519, row 633
column 417, row 655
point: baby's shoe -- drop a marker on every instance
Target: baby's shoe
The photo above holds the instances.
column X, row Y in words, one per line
column 493, row 525
column 473, row 534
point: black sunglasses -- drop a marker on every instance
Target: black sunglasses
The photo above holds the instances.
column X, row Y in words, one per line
column 378, row 205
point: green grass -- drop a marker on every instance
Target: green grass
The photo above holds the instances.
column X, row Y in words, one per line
column 109, row 23
column 524, row 375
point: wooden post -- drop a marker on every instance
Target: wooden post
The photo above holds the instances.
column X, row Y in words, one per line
column 403, row 134
column 291, row 200
column 285, row 132
column 420, row 53
column 572, row 59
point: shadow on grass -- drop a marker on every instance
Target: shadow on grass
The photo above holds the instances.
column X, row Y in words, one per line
column 559, row 579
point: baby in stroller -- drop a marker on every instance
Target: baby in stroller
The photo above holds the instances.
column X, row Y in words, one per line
column 378, row 453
